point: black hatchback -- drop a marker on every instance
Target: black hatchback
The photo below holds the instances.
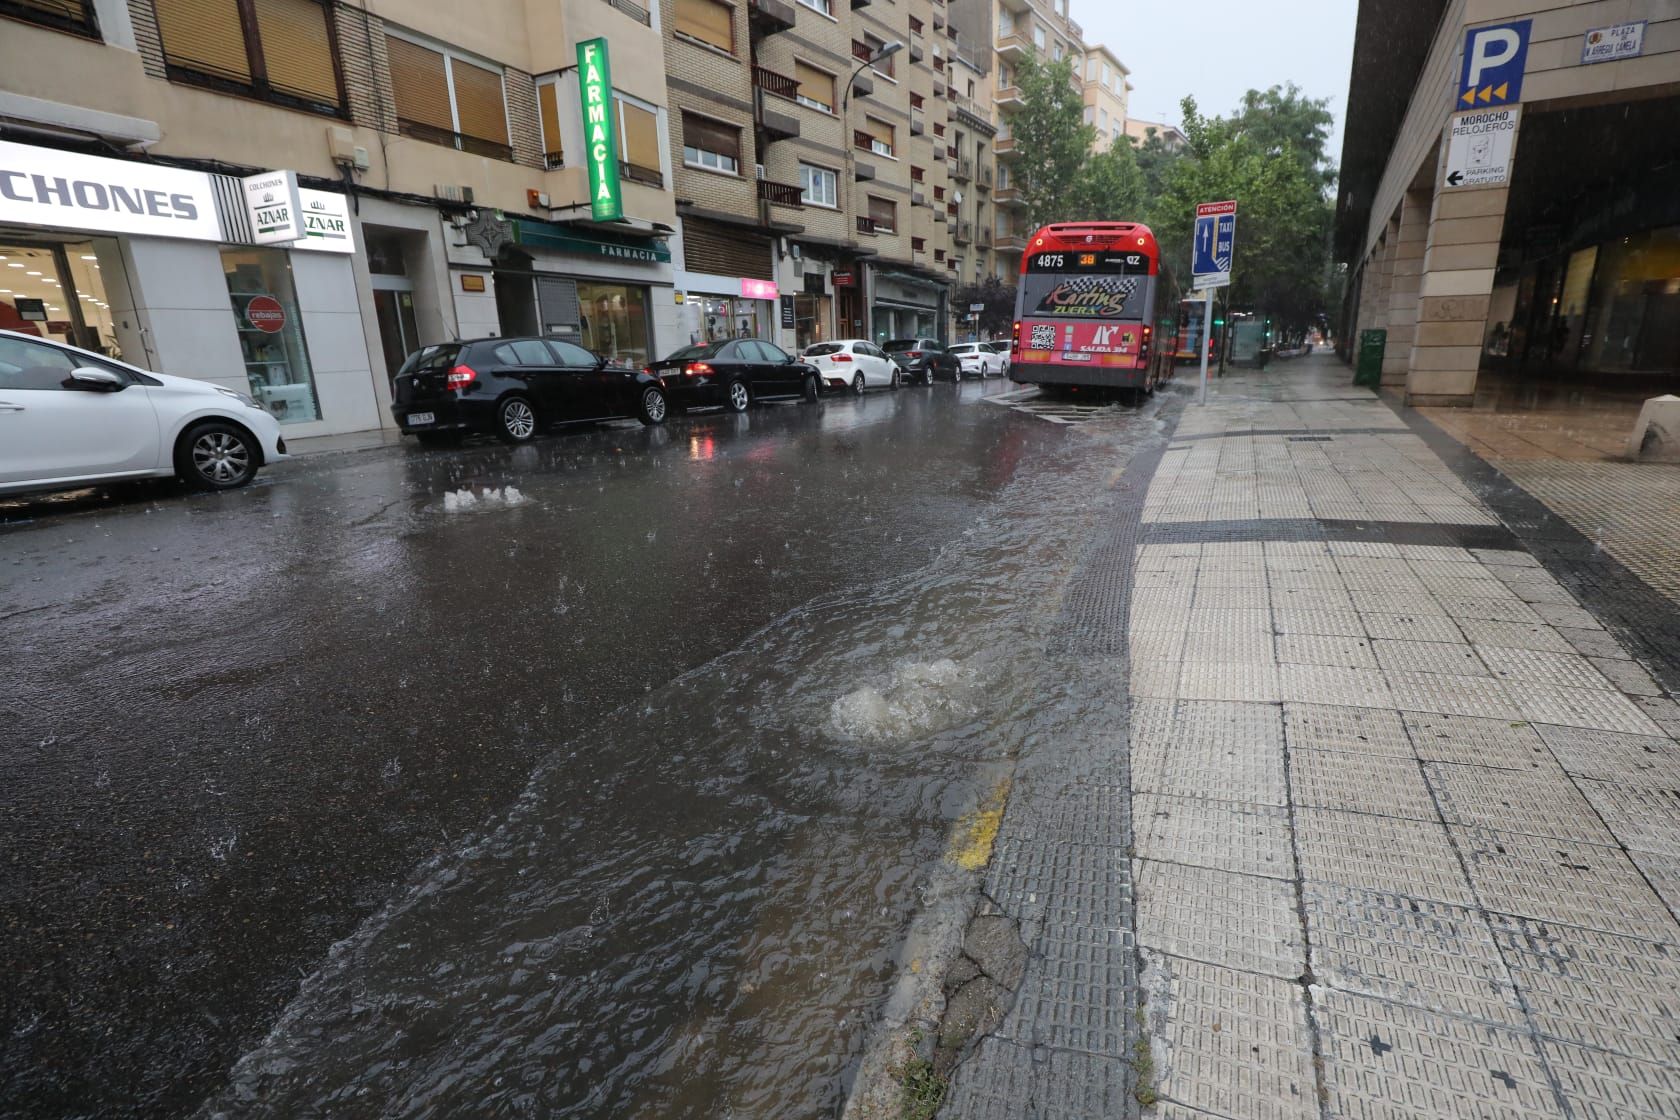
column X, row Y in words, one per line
column 923, row 360
column 512, row 388
column 734, row 373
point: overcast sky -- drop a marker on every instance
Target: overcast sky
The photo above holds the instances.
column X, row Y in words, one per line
column 1218, row 49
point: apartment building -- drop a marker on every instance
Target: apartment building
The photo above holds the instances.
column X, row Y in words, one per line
column 1106, row 90
column 445, row 174
column 1140, row 131
column 973, row 136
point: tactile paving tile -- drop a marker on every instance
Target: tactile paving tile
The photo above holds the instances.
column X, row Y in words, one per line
column 1478, row 742
column 1594, row 988
column 1294, row 621
column 1580, row 707
column 1455, row 658
column 1563, row 881
column 1078, row 884
column 1628, row 676
column 1662, row 711
column 1076, row 996
column 1326, row 684
column 1380, row 853
column 1334, row 727
column 1652, row 760
column 1642, row 817
column 1310, row 598
column 1446, row 694
column 993, row 1084
column 1493, row 557
column 1427, row 954
column 1395, row 603
column 1080, row 812
column 1248, row 839
column 1078, row 1086
column 1514, row 635
column 1239, row 921
column 1223, row 620
column 1237, row 1043
column 1469, row 588
column 1410, row 626
column 1538, row 804
column 1561, row 614
column 1528, row 666
column 1325, row 649
column 1155, row 647
column 1154, row 679
column 1493, row 610
column 1359, row 783
column 1389, row 1060
column 1229, row 680
column 1227, row 598
column 1592, row 643
column 1235, row 645
column 1663, row 873
column 1144, row 619
column 1600, row 1086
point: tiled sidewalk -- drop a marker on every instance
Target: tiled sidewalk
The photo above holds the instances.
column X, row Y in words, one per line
column 1407, row 824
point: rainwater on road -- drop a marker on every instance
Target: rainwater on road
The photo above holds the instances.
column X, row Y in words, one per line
column 593, row 777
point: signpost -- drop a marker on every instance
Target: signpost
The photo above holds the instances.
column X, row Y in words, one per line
column 1479, row 147
column 1494, row 60
column 271, row 200
column 1212, row 249
column 606, row 204
column 1607, row 44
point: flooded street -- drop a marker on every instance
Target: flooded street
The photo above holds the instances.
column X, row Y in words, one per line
column 595, row 777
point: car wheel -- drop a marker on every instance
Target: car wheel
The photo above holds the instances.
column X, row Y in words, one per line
column 857, row 384
column 895, row 381
column 438, row 439
column 738, row 397
column 217, row 456
column 813, row 387
column 516, row 421
column 653, row 408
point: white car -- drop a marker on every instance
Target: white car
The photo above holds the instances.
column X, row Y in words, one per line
column 853, row 363
column 69, row 417
column 1001, row 349
column 976, row 359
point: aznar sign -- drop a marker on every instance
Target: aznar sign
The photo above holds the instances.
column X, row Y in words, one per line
column 600, row 137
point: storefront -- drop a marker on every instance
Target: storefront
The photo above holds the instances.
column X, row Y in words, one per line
column 722, row 308
column 906, row 306
column 158, row 266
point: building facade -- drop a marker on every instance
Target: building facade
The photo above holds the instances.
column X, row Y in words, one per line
column 1510, row 201
column 1105, row 91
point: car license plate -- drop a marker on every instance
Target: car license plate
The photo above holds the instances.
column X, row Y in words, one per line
column 415, row 419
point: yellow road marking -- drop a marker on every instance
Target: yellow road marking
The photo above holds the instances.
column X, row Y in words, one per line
column 972, row 837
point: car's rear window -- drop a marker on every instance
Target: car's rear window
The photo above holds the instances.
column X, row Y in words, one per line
column 902, row 344
column 701, row 350
column 824, row 348
column 964, row 348
column 432, row 359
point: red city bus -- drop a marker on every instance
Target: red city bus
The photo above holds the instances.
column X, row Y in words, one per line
column 1085, row 312
column 1191, row 312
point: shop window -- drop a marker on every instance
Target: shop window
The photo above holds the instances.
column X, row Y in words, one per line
column 818, row 185
column 446, row 99
column 708, row 22
column 62, row 15
column 1634, row 324
column 615, row 322
column 282, row 50
column 265, row 311
column 711, row 144
column 548, row 109
column 816, row 87
column 638, row 141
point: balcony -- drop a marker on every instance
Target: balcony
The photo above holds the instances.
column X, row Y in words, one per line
column 1009, row 98
column 1013, row 48
column 916, row 126
column 1004, row 147
column 1008, row 197
column 771, row 81
column 781, row 194
column 634, row 11
column 863, row 172
column 767, row 17
column 774, row 125
column 1011, row 242
column 964, row 170
column 872, row 226
column 964, row 233
column 985, row 179
column 866, row 142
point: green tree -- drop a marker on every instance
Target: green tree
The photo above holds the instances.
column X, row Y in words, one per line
column 1109, row 187
column 1282, row 121
column 999, row 298
column 1051, row 138
column 1155, row 158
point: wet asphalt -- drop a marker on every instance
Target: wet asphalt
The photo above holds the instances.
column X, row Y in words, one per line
column 238, row 726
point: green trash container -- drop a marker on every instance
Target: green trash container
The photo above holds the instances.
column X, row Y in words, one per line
column 1368, row 370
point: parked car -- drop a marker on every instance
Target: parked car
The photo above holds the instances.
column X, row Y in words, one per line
column 513, row 388
column 735, row 373
column 977, row 359
column 853, row 363
column 923, row 360
column 1001, row 349
column 70, row 417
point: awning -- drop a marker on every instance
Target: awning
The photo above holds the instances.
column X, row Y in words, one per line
column 539, row 234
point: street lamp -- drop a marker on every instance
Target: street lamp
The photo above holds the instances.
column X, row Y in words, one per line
column 887, row 51
column 848, row 144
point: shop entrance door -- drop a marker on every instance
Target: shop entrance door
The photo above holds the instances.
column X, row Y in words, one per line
column 54, row 289
column 848, row 313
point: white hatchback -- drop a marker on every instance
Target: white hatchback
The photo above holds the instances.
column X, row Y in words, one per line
column 977, row 359
column 853, row 363
column 70, row 417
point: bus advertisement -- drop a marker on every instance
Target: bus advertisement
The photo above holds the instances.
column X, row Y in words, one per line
column 1085, row 311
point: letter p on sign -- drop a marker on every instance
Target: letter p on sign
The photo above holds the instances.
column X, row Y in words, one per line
column 1494, row 61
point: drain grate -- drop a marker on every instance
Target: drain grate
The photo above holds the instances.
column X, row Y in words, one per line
column 1308, row 439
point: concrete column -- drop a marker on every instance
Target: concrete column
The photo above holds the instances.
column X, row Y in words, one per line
column 1385, row 274
column 1456, row 288
column 1411, row 237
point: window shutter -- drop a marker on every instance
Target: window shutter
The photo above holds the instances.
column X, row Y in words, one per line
column 478, row 100
column 639, row 138
column 707, row 21
column 814, row 84
column 204, row 35
column 419, row 84
column 548, row 102
column 296, row 48
column 882, row 212
column 726, row 250
column 711, row 136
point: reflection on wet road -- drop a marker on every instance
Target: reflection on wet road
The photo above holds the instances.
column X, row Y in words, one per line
column 592, row 777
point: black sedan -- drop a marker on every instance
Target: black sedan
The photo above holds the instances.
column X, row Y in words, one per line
column 923, row 360
column 514, row 387
column 735, row 373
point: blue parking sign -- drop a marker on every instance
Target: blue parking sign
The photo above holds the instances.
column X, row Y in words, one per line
column 1494, row 60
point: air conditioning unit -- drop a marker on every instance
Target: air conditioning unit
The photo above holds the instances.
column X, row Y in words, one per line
column 451, row 192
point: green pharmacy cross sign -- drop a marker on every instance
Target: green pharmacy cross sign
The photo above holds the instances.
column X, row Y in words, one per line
column 606, row 204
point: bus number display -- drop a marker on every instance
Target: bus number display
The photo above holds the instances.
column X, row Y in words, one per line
column 1120, row 263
